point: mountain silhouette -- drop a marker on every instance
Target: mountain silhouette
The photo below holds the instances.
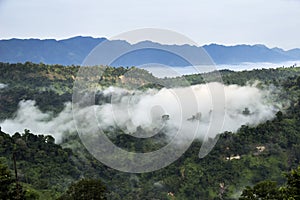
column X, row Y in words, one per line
column 74, row 50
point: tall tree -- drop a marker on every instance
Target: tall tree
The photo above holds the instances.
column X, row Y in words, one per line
column 8, row 188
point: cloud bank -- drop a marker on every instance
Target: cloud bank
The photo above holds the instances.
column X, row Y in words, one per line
column 162, row 71
column 151, row 111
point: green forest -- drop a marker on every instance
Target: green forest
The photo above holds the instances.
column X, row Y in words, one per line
column 34, row 166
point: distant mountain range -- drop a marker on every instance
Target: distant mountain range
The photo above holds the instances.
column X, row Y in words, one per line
column 74, row 51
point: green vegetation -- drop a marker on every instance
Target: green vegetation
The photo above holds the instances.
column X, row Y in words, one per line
column 41, row 163
column 49, row 85
column 270, row 190
column 52, row 85
column 85, row 189
column 9, row 188
column 52, row 171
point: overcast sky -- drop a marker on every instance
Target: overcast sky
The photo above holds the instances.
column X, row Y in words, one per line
column 229, row 22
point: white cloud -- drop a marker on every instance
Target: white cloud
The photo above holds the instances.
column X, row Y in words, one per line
column 163, row 71
column 145, row 110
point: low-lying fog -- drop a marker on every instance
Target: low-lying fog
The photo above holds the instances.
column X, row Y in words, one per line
column 163, row 71
column 151, row 110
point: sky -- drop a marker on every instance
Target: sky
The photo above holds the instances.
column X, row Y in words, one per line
column 275, row 23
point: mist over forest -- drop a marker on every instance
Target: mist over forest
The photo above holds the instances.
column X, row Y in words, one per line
column 257, row 142
column 244, row 105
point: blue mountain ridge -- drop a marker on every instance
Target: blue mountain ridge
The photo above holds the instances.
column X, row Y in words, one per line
column 74, row 50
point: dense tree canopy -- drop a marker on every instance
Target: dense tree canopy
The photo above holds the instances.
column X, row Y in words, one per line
column 266, row 190
column 85, row 189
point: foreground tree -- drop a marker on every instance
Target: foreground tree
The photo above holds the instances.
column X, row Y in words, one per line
column 293, row 184
column 5, row 181
column 266, row 190
column 9, row 190
column 85, row 189
column 263, row 190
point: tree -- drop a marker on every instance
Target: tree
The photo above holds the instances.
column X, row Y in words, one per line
column 9, row 190
column 293, row 183
column 263, row 190
column 5, row 181
column 85, row 189
column 279, row 116
column 268, row 189
column 246, row 111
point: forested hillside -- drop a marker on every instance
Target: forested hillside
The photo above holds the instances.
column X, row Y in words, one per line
column 47, row 170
